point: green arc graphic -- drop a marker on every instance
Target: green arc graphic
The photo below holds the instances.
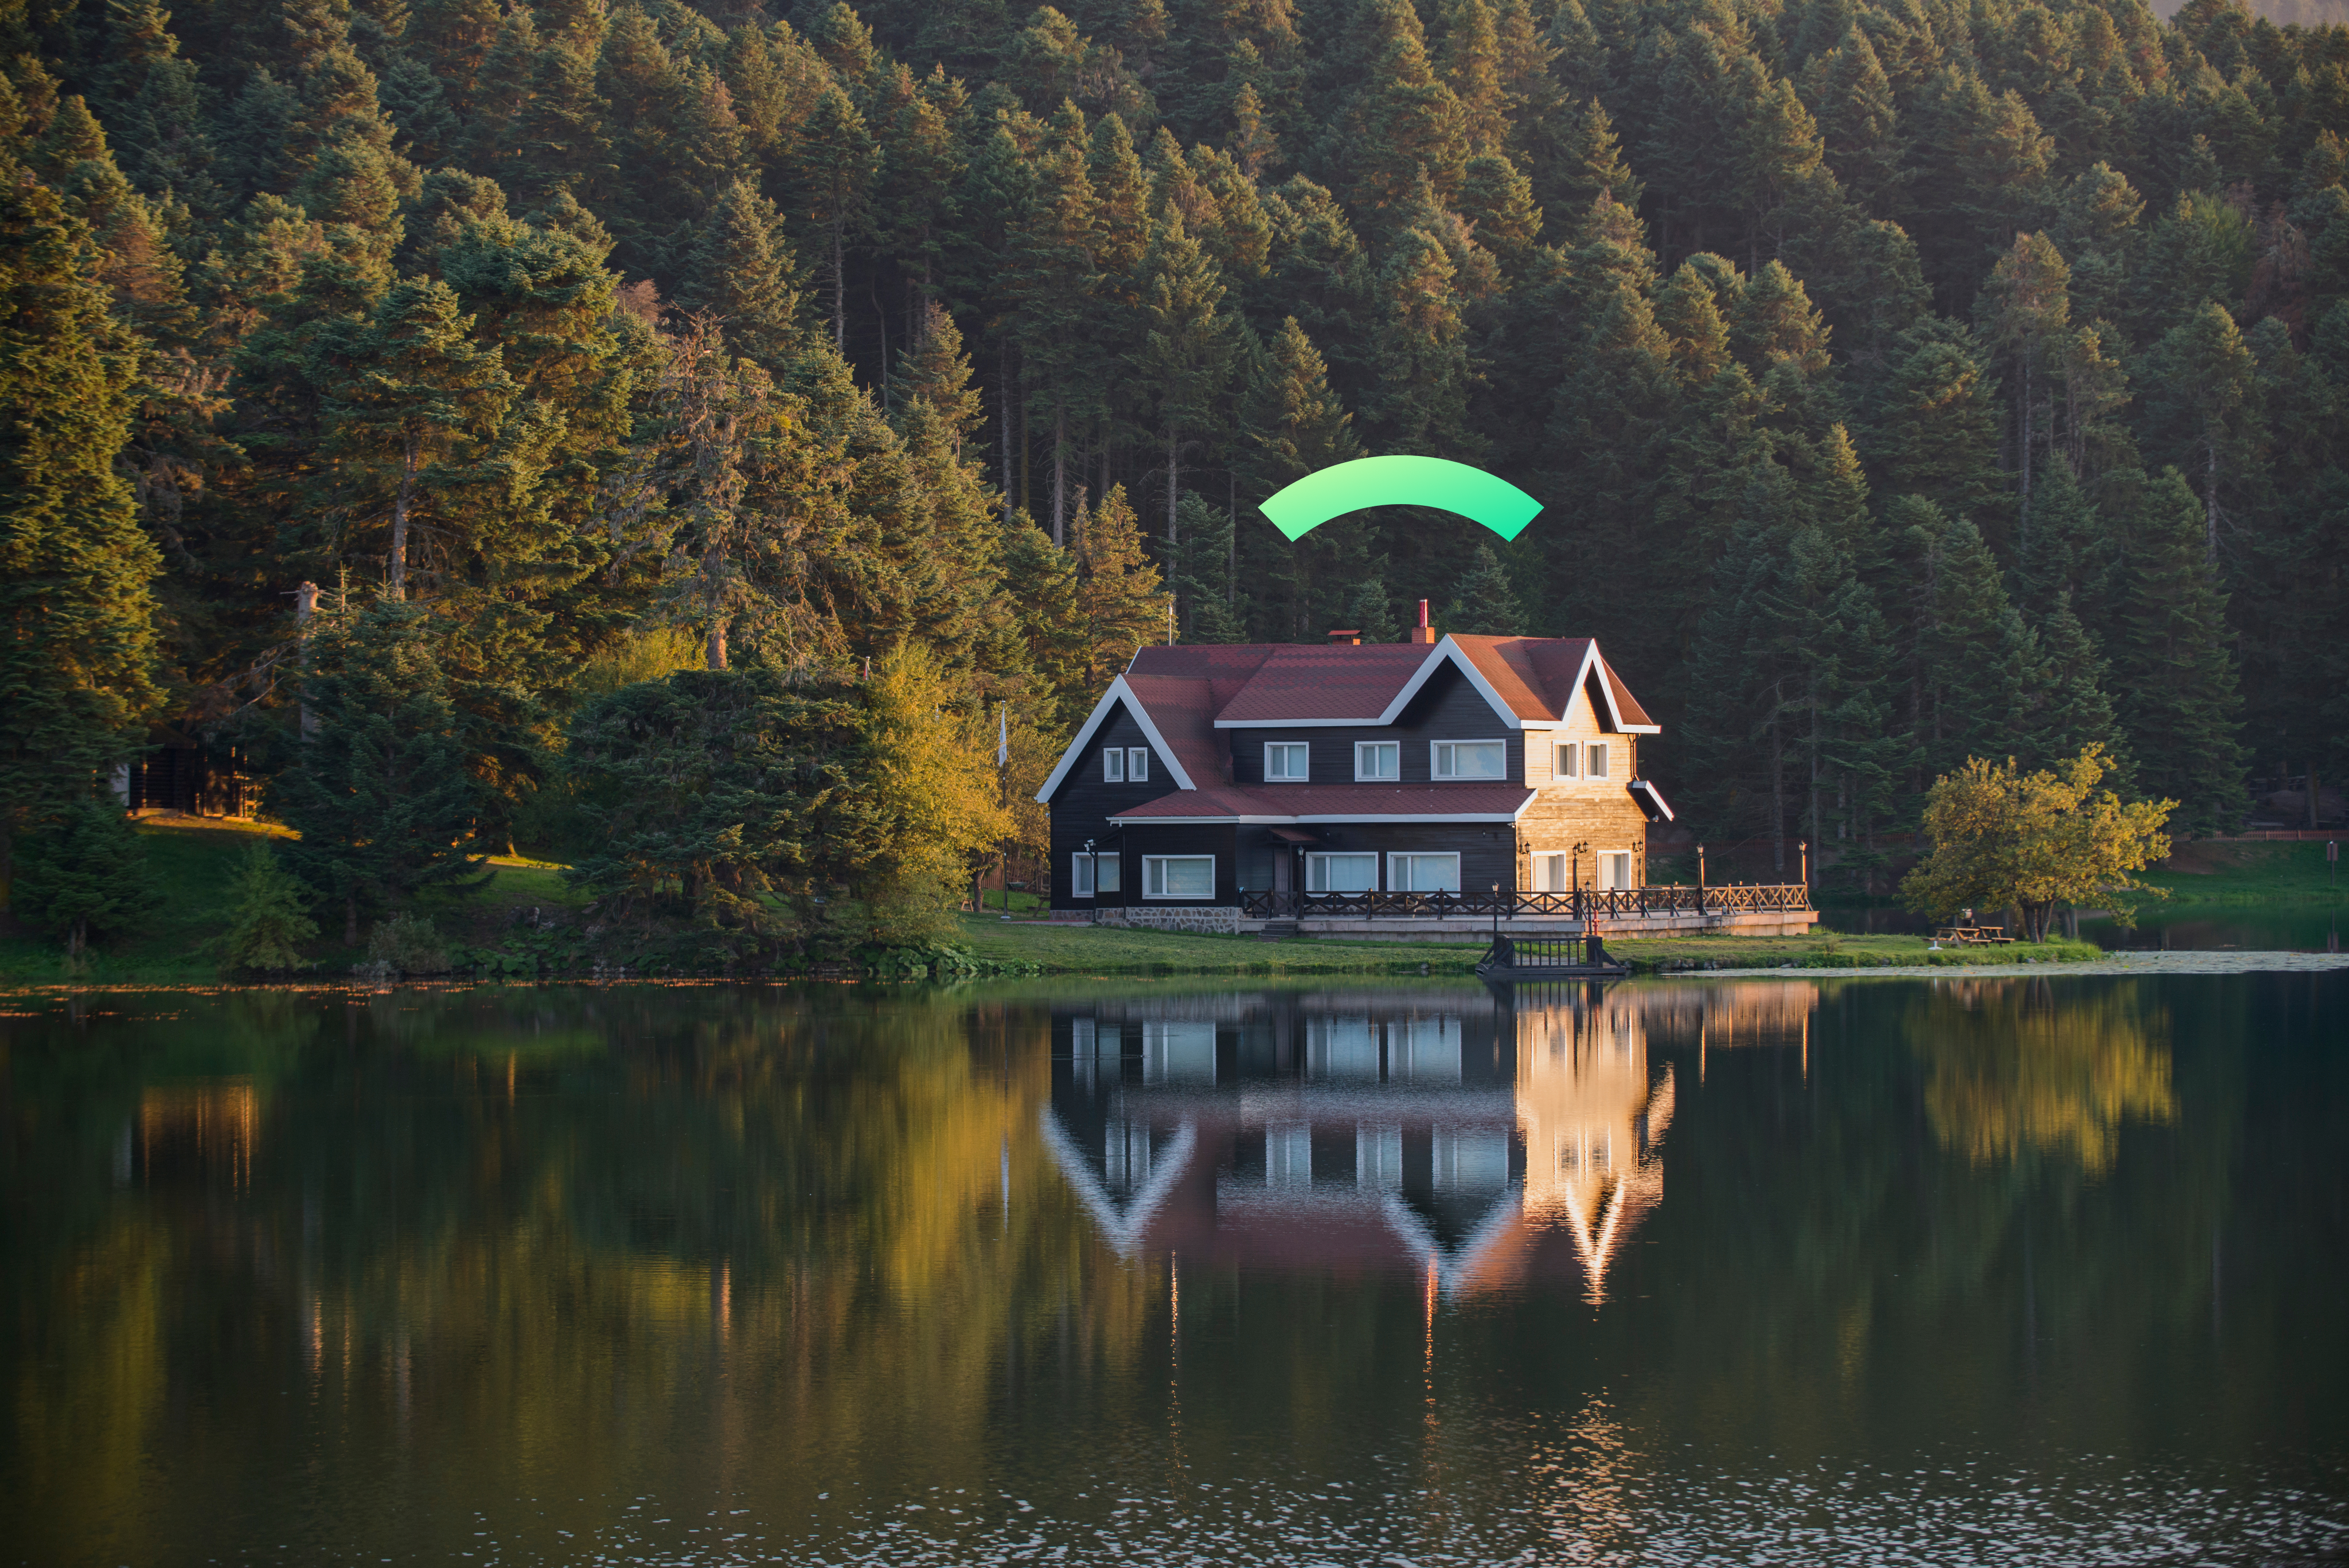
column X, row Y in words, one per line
column 1436, row 481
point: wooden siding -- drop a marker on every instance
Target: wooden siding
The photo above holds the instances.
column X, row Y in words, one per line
column 1081, row 806
column 1447, row 709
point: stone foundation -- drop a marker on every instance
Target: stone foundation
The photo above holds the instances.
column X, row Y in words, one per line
column 1470, row 929
column 1213, row 919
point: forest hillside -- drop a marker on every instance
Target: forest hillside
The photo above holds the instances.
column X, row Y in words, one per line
column 1903, row 379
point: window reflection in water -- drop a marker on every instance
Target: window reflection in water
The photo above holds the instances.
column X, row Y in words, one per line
column 1487, row 1140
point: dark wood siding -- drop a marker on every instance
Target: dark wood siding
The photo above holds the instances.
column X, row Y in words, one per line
column 1447, row 709
column 1487, row 851
column 1082, row 807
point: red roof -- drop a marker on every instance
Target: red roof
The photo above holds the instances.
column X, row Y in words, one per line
column 1331, row 803
column 1338, row 680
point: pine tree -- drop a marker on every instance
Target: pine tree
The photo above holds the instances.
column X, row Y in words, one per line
column 1366, row 610
column 2201, row 389
column 1202, row 582
column 262, row 925
column 413, row 400
column 2173, row 666
column 2064, row 708
column 82, row 873
column 1403, row 121
column 1931, row 427
column 1187, row 351
column 78, row 640
column 1292, row 424
column 739, row 272
column 1485, row 602
column 833, row 167
column 1120, row 605
column 380, row 795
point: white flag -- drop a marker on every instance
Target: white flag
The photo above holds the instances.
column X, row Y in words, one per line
column 1002, row 734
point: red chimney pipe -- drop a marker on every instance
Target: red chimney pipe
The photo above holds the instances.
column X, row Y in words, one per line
column 1423, row 632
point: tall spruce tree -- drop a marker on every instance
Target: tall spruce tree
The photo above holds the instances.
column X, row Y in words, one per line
column 2174, row 665
column 77, row 633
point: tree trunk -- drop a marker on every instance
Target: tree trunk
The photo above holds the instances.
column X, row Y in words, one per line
column 350, row 921
column 1060, row 474
column 1174, row 490
column 839, row 291
column 1003, row 387
column 2023, row 533
column 399, row 504
column 2211, row 499
column 1817, row 842
column 1777, row 791
column 715, row 653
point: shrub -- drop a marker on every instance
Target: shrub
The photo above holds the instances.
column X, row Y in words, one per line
column 405, row 944
column 264, row 925
column 83, row 874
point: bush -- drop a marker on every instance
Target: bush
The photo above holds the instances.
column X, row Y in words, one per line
column 405, row 945
column 264, row 925
column 83, row 874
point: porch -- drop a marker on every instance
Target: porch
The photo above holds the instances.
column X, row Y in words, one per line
column 1740, row 909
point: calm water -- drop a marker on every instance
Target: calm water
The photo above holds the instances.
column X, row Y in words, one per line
column 1949, row 1271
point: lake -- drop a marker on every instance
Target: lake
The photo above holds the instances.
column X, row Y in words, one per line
column 1953, row 1271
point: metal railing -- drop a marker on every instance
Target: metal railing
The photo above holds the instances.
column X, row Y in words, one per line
column 1613, row 903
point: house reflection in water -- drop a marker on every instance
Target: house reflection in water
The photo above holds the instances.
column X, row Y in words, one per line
column 1489, row 1141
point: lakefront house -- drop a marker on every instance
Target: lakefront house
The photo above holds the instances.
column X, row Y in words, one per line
column 1450, row 780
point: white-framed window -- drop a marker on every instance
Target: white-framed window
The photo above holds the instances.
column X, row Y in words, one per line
column 1598, row 761
column 1569, row 759
column 1081, row 876
column 1378, row 762
column 1108, row 872
column 1551, row 873
column 1113, row 765
column 1614, row 869
column 1091, row 874
column 1178, row 876
column 1286, row 761
column 1470, row 759
column 1342, row 873
column 1137, row 764
column 1422, row 873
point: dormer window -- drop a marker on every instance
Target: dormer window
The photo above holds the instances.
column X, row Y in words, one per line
column 1287, row 762
column 1470, row 759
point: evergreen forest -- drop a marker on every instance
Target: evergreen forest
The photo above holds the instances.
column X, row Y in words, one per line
column 494, row 420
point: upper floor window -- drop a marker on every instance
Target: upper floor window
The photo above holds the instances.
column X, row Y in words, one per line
column 1286, row 761
column 1113, row 765
column 1378, row 760
column 1569, row 761
column 1471, row 759
column 1137, row 764
column 1599, row 761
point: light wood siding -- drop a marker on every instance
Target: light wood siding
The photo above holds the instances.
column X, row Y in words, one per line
column 1581, row 810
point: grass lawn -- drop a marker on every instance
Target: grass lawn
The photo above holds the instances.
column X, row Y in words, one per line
column 191, row 860
column 2220, row 874
column 1115, row 949
column 1120, row 950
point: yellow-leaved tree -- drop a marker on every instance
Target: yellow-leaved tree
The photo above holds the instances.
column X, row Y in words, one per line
column 2002, row 838
column 936, row 796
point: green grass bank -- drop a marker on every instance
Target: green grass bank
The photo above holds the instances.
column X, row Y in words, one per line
column 526, row 923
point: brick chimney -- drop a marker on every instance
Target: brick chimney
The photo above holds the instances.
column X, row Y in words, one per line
column 1423, row 632
column 1351, row 638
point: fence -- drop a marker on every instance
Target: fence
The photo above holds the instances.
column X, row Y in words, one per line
column 1613, row 903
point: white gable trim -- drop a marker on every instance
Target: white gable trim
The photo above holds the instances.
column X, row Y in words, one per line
column 1451, row 650
column 1607, row 690
column 1118, row 692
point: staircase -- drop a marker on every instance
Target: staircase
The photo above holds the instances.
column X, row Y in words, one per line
column 1278, row 930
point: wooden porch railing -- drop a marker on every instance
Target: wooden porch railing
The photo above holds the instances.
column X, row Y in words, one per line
column 1614, row 903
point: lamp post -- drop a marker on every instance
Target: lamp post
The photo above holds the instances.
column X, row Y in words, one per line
column 1700, row 879
column 1805, row 845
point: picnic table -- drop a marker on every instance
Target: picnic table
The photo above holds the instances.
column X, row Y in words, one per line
column 1972, row 936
